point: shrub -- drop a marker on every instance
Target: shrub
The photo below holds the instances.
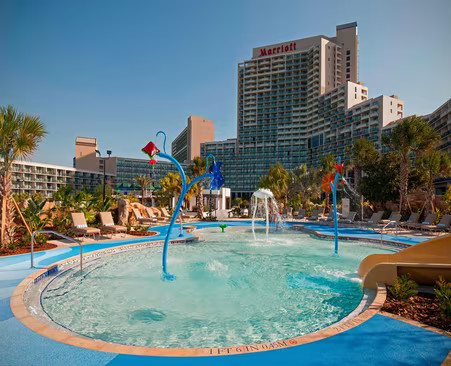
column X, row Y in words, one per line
column 404, row 288
column 443, row 292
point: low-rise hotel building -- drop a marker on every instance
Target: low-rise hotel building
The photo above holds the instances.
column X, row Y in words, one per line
column 123, row 169
column 31, row 177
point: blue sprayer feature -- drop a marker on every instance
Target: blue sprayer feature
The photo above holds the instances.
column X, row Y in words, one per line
column 334, row 197
column 217, row 181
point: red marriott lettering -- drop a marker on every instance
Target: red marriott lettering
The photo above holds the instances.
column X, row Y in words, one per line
column 278, row 49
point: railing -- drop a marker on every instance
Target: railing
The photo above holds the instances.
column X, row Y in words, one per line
column 60, row 235
column 388, row 223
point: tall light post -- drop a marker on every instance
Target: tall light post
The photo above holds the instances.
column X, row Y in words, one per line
column 104, row 173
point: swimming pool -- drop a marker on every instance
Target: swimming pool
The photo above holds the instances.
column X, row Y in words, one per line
column 230, row 290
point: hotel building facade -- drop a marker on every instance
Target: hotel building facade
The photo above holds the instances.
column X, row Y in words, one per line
column 298, row 101
column 31, row 177
column 186, row 146
column 123, row 169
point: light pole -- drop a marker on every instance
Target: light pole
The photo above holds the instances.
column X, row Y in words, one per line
column 104, row 173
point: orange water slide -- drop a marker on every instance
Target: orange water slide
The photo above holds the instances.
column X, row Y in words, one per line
column 424, row 262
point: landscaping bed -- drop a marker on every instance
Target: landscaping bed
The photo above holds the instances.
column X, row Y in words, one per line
column 27, row 249
column 422, row 308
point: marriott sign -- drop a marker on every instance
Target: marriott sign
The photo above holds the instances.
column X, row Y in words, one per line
column 269, row 51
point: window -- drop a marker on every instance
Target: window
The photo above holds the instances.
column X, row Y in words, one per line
column 348, row 64
column 348, row 52
column 356, row 89
column 391, row 110
column 348, row 70
column 355, row 96
column 348, row 76
column 348, row 58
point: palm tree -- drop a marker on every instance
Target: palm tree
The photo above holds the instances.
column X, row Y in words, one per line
column 143, row 181
column 412, row 135
column 327, row 167
column 171, row 186
column 431, row 165
column 277, row 181
column 197, row 168
column 306, row 182
column 20, row 135
column 363, row 153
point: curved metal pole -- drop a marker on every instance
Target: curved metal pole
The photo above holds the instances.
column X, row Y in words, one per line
column 198, row 179
column 164, row 142
column 334, row 196
column 166, row 275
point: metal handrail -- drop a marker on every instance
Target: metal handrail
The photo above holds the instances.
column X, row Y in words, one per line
column 60, row 235
column 388, row 223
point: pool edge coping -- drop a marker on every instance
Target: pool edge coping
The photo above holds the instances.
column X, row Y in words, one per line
column 21, row 312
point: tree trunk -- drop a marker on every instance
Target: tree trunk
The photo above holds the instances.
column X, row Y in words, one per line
column 429, row 193
column 7, row 211
column 403, row 182
column 142, row 195
column 357, row 179
column 200, row 200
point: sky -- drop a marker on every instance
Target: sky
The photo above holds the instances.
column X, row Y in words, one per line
column 123, row 70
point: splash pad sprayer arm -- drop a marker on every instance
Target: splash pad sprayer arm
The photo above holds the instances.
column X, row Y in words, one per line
column 334, row 196
column 152, row 150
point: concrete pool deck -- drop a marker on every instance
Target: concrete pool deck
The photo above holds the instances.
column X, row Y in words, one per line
column 379, row 340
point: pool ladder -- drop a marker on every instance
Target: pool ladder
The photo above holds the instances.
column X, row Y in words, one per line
column 388, row 223
column 61, row 236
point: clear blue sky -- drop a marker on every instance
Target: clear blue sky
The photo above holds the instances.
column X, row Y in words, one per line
column 122, row 70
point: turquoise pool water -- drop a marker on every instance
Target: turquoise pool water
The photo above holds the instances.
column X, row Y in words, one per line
column 230, row 290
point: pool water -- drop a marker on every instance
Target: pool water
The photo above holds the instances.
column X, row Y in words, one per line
column 230, row 290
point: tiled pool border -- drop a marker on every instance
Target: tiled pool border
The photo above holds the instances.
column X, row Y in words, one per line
column 24, row 316
column 300, row 227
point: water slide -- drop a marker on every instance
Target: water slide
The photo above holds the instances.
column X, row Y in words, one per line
column 424, row 262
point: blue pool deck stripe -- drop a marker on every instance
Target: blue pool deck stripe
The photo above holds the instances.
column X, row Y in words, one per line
column 380, row 340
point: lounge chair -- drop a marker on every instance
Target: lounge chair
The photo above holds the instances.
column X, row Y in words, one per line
column 140, row 218
column 300, row 214
column 348, row 219
column 430, row 218
column 108, row 224
column 443, row 225
column 392, row 221
column 374, row 219
column 413, row 219
column 151, row 214
column 315, row 215
column 80, row 227
column 165, row 214
column 168, row 217
column 284, row 214
column 330, row 217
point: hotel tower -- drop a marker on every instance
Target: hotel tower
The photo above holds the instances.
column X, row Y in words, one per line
column 297, row 101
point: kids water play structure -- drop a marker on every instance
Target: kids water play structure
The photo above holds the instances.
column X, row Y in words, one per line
column 330, row 182
column 216, row 182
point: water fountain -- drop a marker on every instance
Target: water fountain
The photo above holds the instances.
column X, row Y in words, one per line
column 262, row 196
